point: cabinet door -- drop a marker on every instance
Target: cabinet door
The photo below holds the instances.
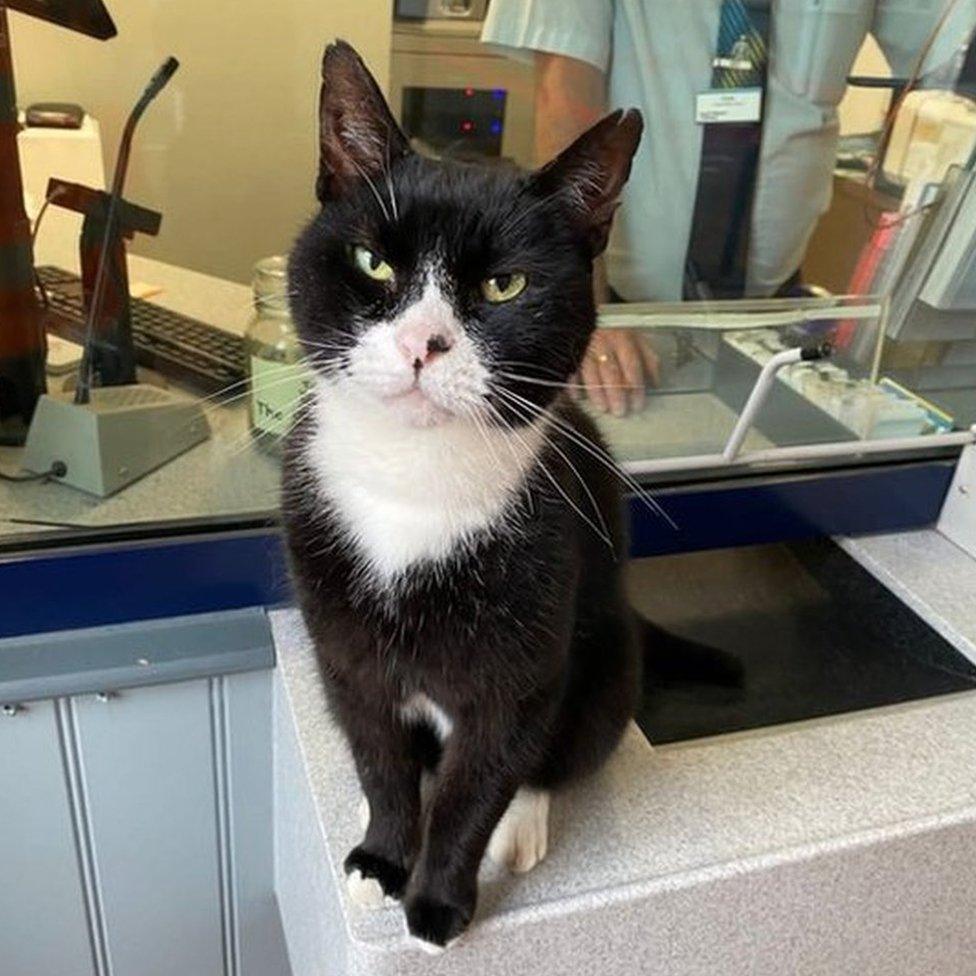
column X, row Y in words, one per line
column 151, row 773
column 259, row 948
column 43, row 920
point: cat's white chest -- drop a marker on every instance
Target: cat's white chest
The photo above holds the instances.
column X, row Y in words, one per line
column 409, row 495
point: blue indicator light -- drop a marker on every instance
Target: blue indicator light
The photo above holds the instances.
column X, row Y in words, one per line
column 498, row 94
column 496, row 127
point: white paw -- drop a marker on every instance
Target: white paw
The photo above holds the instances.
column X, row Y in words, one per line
column 521, row 837
column 431, row 948
column 364, row 892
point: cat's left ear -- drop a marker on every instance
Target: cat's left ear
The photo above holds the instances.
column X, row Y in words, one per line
column 358, row 135
column 592, row 171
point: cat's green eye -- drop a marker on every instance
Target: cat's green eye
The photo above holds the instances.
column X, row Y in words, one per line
column 503, row 287
column 371, row 264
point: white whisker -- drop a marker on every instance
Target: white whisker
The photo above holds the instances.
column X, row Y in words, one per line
column 605, row 533
column 593, row 449
column 372, row 187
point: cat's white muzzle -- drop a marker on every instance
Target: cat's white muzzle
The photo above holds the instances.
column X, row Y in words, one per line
column 422, row 365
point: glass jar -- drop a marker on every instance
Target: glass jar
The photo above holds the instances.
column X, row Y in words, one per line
column 277, row 376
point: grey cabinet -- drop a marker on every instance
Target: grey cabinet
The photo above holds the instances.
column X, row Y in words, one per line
column 135, row 820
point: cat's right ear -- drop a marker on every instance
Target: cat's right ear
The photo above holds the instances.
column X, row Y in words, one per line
column 358, row 136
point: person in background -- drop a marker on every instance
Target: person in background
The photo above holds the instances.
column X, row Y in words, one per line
column 661, row 56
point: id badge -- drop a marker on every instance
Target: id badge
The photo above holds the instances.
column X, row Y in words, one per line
column 722, row 105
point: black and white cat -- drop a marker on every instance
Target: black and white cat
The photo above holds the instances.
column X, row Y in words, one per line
column 454, row 524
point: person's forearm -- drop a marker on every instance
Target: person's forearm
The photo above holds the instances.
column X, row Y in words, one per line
column 570, row 96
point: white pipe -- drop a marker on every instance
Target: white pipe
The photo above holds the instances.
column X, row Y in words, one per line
column 757, row 397
column 801, row 452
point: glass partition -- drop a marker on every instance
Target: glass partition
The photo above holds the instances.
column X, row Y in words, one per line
column 805, row 178
column 832, row 393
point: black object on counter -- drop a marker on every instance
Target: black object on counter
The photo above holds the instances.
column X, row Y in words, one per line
column 191, row 352
column 54, row 115
column 817, row 633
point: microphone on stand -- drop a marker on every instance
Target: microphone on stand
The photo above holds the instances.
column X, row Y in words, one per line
column 86, row 372
column 112, row 430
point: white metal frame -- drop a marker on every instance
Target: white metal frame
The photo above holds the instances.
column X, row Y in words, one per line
column 957, row 522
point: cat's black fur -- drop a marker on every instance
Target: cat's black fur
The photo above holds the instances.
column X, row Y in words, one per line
column 524, row 638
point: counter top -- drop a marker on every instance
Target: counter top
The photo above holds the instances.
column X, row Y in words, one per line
column 223, row 476
column 655, row 821
column 930, row 574
column 228, row 475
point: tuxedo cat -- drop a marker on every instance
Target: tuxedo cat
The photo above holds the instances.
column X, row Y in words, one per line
column 453, row 520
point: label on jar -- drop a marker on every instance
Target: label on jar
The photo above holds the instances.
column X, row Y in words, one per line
column 276, row 393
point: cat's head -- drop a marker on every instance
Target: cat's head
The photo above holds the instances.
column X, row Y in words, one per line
column 446, row 290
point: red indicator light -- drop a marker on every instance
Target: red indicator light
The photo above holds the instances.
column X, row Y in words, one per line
column 467, row 126
column 468, row 92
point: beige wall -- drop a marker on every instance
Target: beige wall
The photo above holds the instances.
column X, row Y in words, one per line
column 228, row 150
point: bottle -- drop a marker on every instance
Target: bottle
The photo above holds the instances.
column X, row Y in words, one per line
column 277, row 378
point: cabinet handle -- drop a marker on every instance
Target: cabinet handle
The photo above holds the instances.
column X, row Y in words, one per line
column 105, row 696
column 11, row 710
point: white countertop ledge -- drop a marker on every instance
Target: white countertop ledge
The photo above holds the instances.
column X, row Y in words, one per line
column 836, row 846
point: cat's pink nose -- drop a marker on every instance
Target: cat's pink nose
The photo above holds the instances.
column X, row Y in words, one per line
column 420, row 345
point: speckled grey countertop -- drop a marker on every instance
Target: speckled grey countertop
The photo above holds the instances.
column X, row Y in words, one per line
column 225, row 475
column 698, row 813
column 229, row 475
column 930, row 574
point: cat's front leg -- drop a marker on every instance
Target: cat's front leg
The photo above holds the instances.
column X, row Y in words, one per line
column 472, row 790
column 389, row 773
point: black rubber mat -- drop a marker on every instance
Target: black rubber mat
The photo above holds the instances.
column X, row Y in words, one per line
column 817, row 634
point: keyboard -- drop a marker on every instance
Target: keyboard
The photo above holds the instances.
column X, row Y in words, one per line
column 185, row 350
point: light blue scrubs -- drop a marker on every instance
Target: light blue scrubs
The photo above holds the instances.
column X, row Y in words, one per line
column 658, row 55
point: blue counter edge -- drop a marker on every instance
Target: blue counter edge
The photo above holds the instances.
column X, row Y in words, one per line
column 82, row 587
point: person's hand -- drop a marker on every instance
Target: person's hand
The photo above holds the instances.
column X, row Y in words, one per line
column 616, row 369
